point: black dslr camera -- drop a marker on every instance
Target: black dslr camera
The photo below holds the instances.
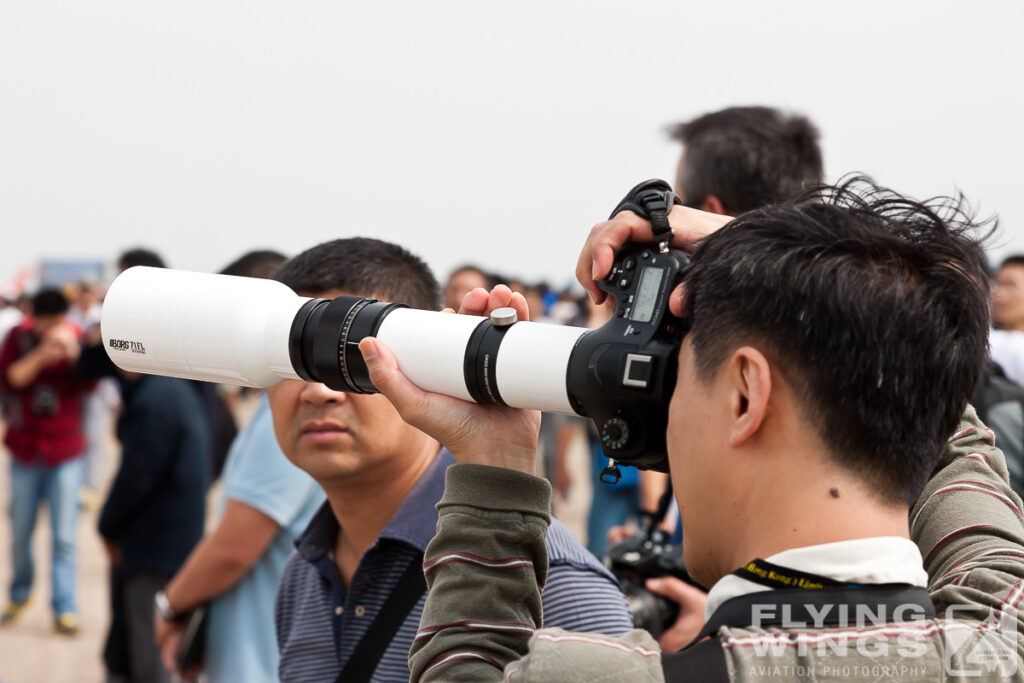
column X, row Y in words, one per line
column 647, row 557
column 649, row 554
column 622, row 374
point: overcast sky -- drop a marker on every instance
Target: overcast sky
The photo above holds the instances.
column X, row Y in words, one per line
column 466, row 131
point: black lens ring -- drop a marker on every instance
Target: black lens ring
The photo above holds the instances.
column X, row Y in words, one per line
column 326, row 335
column 297, row 346
column 469, row 363
column 480, row 364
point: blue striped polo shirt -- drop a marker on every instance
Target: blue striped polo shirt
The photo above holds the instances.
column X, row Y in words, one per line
column 319, row 621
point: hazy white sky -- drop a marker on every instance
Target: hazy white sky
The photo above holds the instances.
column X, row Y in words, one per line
column 463, row 130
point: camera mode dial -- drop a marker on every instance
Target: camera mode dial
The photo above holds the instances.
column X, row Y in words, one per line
column 614, row 434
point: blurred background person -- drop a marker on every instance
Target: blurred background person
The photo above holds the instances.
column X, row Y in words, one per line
column 1007, row 339
column 267, row 501
column 101, row 402
column 10, row 316
column 43, row 408
column 154, row 513
column 742, row 158
column 463, row 280
column 85, row 309
column 999, row 399
column 139, row 256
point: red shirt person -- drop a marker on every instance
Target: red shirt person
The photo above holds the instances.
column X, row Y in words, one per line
column 43, row 401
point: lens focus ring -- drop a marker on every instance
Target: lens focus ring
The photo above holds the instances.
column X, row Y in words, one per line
column 327, row 342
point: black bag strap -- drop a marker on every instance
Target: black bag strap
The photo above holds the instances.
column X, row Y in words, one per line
column 704, row 660
column 738, row 611
column 364, row 660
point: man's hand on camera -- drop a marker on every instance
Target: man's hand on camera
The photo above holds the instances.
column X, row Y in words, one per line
column 484, row 435
column 691, row 601
column 688, row 226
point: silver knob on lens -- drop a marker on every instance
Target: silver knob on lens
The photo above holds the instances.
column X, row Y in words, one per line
column 503, row 317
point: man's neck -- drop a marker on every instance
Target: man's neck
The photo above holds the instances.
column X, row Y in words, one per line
column 802, row 521
column 809, row 502
column 364, row 504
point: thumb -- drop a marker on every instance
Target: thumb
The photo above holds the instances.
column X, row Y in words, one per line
column 387, row 377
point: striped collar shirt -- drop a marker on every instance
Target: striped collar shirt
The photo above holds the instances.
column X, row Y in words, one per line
column 319, row 622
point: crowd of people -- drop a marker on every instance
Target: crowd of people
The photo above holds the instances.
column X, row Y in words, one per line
column 836, row 338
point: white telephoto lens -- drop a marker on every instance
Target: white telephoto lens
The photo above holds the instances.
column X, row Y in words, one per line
column 237, row 330
column 215, row 328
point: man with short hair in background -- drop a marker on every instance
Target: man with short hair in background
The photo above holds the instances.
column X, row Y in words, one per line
column 743, row 158
column 153, row 514
column 156, row 506
column 733, row 160
column 43, row 411
column 382, row 479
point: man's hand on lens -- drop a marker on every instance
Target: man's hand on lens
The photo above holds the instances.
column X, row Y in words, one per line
column 691, row 601
column 688, row 227
column 484, row 435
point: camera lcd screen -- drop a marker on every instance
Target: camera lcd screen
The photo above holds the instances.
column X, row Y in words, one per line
column 647, row 293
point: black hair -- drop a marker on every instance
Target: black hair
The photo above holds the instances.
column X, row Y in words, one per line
column 748, row 157
column 140, row 257
column 1012, row 260
column 366, row 267
column 49, row 302
column 257, row 263
column 874, row 307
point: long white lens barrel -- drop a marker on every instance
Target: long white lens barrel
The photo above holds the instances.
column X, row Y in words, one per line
column 525, row 367
column 251, row 332
column 216, row 328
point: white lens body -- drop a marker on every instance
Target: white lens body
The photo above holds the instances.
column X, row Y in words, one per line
column 533, row 363
column 531, row 366
column 215, row 328
column 430, row 348
column 235, row 330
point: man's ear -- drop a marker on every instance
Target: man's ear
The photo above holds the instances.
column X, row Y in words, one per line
column 713, row 204
column 751, row 380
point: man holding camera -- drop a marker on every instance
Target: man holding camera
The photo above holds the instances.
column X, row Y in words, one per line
column 833, row 346
column 350, row 598
column 43, row 401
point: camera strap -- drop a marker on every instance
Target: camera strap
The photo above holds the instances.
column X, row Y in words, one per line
column 830, row 606
column 652, row 200
column 364, row 660
column 775, row 576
